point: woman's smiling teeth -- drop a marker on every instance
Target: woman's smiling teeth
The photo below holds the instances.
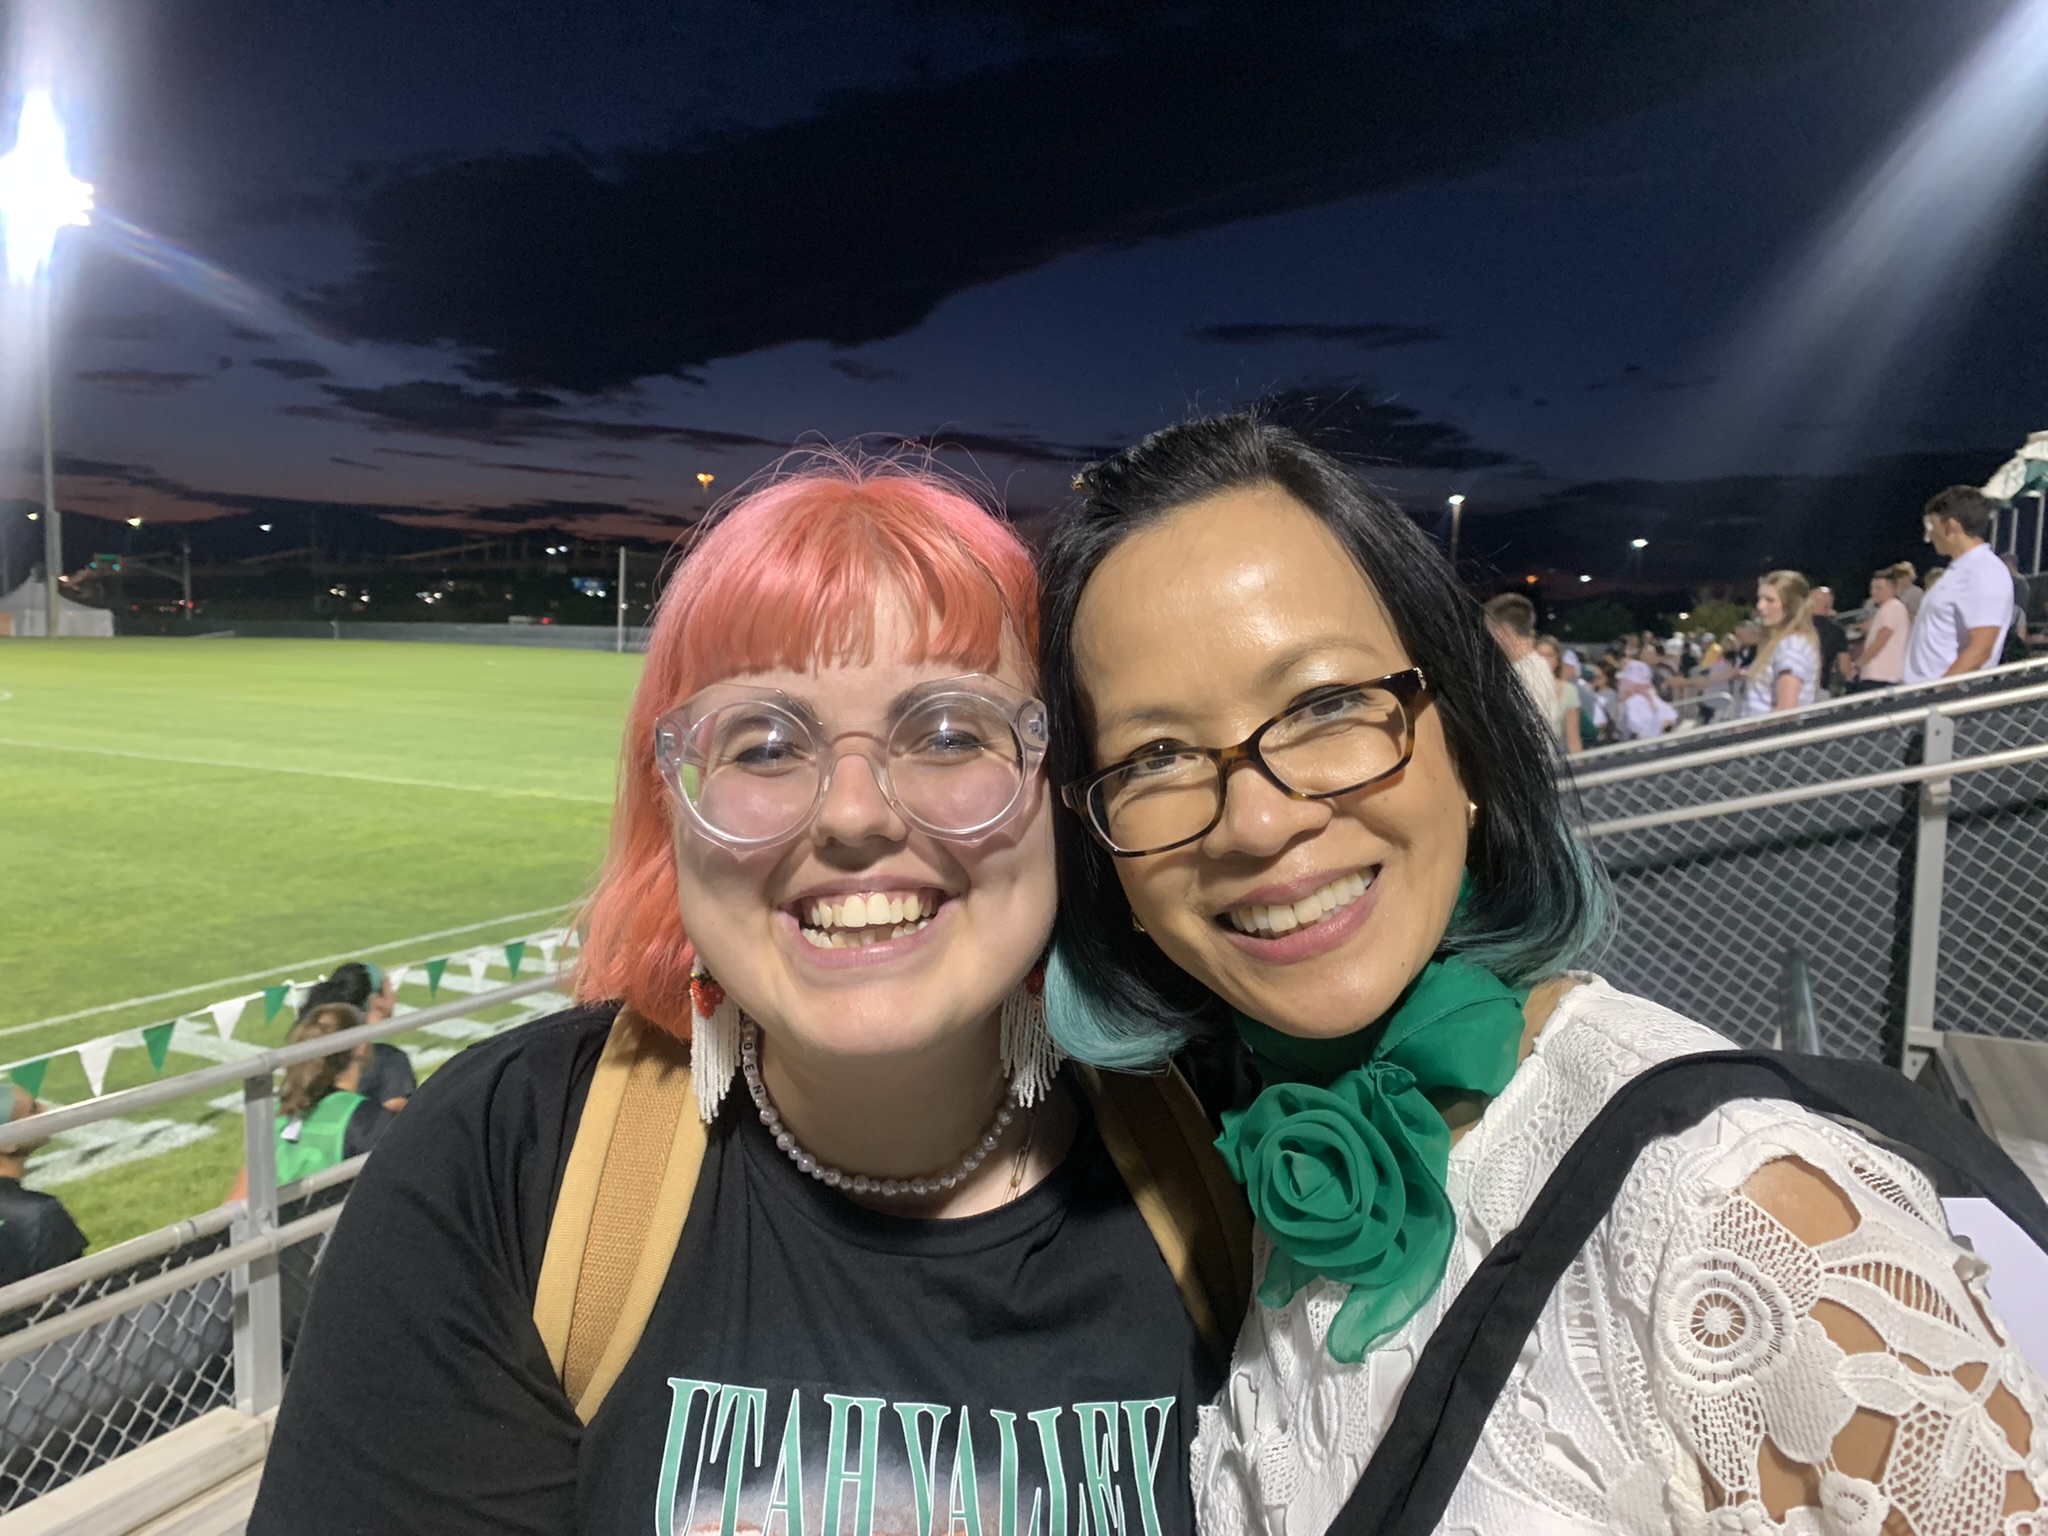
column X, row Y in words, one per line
column 861, row 918
column 1271, row 922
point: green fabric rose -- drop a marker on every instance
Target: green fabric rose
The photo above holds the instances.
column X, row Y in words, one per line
column 1346, row 1181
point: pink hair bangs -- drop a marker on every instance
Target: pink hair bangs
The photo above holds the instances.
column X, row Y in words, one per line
column 788, row 577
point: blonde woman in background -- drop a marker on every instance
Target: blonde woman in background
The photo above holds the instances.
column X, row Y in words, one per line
column 1786, row 672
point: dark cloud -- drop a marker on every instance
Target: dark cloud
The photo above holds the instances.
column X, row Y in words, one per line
column 499, row 418
column 249, row 333
column 141, row 326
column 1172, row 120
column 354, row 463
column 866, row 373
column 421, row 453
column 555, row 469
column 1370, row 335
column 291, row 367
column 1358, row 422
column 1019, row 446
column 138, row 381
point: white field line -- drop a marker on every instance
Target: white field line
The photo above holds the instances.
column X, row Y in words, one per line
column 280, row 970
column 310, row 773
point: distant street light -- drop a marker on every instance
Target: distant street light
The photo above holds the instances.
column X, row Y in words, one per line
column 1457, row 501
column 1638, row 543
column 1585, row 578
column 704, row 481
column 38, row 197
column 134, row 522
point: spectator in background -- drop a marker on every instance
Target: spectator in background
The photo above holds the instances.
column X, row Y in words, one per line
column 1962, row 622
column 1786, row 672
column 322, row 1118
column 1511, row 619
column 1563, row 713
column 1643, row 713
column 36, row 1232
column 1827, row 629
column 1906, row 586
column 1743, row 653
column 388, row 1078
column 1607, row 699
column 1881, row 660
column 2015, row 648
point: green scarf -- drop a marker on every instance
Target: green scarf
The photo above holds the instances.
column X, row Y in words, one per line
column 1343, row 1156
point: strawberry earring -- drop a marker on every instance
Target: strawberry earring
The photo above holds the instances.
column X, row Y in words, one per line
column 714, row 1041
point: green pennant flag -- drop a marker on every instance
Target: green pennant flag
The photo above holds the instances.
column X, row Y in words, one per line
column 273, row 999
column 514, row 953
column 157, row 1041
column 434, row 970
column 29, row 1076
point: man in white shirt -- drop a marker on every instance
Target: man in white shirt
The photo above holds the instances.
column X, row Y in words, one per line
column 1963, row 618
column 1511, row 618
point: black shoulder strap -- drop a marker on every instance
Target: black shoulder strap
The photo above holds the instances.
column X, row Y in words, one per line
column 1408, row 1483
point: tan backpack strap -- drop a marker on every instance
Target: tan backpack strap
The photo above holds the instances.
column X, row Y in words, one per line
column 1162, row 1145
column 625, row 1196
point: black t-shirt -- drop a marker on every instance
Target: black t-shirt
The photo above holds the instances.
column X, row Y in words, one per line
column 805, row 1352
column 1833, row 641
column 387, row 1075
column 36, row 1233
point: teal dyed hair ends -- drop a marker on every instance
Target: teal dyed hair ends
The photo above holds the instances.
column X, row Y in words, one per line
column 1089, row 1026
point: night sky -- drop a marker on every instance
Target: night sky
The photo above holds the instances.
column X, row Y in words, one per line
column 537, row 265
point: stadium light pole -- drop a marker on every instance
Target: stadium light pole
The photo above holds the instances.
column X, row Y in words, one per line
column 1457, row 501
column 38, row 197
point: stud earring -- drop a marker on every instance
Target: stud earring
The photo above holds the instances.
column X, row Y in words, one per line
column 714, row 1042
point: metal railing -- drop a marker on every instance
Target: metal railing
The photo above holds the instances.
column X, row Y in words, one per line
column 129, row 1338
column 1900, row 839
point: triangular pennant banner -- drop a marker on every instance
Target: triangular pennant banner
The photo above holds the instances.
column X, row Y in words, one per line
column 478, row 964
column 226, row 1015
column 273, row 999
column 547, row 952
column 395, row 977
column 94, row 1056
column 157, row 1041
column 28, row 1077
column 434, row 970
column 514, row 953
column 299, row 989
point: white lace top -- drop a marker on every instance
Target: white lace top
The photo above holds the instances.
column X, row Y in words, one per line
column 1681, row 1339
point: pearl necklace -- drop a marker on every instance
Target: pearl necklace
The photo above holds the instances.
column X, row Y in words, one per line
column 861, row 1183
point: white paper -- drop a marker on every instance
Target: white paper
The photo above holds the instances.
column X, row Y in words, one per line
column 2018, row 1281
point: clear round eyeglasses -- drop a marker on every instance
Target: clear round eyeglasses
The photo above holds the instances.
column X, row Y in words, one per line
column 751, row 767
column 1336, row 740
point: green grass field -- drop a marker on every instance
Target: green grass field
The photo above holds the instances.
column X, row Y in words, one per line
column 182, row 814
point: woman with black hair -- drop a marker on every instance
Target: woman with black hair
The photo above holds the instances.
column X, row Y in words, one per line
column 1311, row 801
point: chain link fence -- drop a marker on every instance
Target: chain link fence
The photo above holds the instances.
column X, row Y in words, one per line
column 1712, row 909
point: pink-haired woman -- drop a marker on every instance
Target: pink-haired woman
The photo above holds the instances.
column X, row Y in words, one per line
column 862, row 1256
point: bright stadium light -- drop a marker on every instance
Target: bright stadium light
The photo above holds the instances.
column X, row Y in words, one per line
column 38, row 193
column 38, row 197
column 1638, row 543
column 1457, row 505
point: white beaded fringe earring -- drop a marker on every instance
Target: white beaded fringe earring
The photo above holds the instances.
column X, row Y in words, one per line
column 1030, row 1059
column 714, row 1042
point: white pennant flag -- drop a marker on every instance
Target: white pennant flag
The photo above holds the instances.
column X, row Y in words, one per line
column 226, row 1015
column 296, row 998
column 547, row 953
column 395, row 977
column 479, row 962
column 94, row 1056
